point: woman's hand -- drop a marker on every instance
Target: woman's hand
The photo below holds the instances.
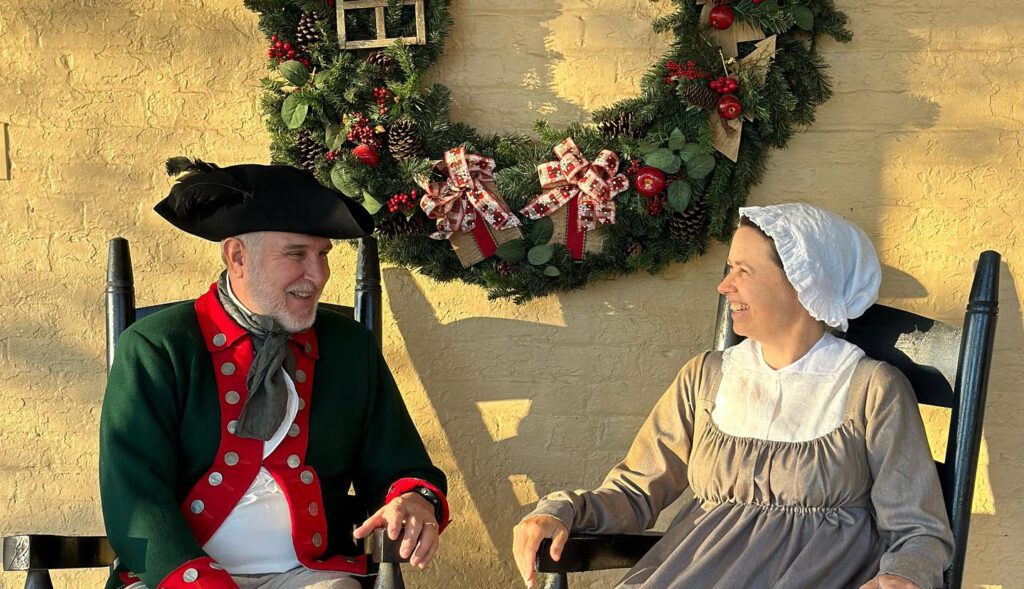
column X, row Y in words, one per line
column 526, row 539
column 889, row 582
column 419, row 543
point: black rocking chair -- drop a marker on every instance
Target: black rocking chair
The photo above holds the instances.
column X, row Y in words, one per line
column 38, row 554
column 947, row 366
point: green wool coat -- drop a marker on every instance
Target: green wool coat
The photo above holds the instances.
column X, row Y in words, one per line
column 161, row 428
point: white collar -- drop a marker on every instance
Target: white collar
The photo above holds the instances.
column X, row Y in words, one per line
column 234, row 299
column 827, row 357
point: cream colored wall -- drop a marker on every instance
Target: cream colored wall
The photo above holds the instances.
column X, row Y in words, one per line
column 920, row 146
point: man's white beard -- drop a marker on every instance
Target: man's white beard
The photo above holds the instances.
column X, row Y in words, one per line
column 275, row 304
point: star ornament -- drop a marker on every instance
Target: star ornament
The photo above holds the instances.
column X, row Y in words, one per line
column 726, row 134
column 729, row 38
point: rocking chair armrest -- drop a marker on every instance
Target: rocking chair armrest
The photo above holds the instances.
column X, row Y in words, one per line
column 382, row 549
column 596, row 552
column 30, row 551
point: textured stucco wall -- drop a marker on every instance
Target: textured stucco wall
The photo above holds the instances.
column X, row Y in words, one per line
column 920, row 146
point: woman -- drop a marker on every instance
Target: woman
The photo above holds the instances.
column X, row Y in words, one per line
column 808, row 461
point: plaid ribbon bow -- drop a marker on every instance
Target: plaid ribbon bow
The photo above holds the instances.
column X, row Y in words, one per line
column 596, row 185
column 468, row 192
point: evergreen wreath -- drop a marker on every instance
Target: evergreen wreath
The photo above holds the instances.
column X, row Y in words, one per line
column 364, row 122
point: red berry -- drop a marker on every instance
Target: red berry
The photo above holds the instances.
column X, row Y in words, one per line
column 721, row 17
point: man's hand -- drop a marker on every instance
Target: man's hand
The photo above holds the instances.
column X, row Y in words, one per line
column 526, row 539
column 421, row 528
column 889, row 582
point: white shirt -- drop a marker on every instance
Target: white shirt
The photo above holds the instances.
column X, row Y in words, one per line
column 256, row 537
column 796, row 403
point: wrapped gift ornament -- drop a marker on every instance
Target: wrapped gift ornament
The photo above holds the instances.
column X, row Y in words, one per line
column 467, row 208
column 578, row 196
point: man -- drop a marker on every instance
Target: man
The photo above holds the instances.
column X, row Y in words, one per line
column 234, row 427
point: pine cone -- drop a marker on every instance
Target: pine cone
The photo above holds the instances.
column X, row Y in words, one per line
column 382, row 60
column 504, row 268
column 404, row 141
column 309, row 149
column 399, row 226
column 623, row 125
column 634, row 249
column 307, row 32
column 688, row 226
column 700, row 95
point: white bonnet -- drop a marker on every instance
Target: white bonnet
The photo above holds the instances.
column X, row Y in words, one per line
column 828, row 260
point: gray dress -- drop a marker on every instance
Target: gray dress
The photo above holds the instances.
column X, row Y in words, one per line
column 831, row 512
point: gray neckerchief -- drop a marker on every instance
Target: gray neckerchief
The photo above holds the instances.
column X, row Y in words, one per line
column 267, row 402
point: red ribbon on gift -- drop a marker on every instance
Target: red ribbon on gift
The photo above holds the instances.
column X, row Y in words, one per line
column 587, row 188
column 457, row 202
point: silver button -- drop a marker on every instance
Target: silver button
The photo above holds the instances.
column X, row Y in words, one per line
column 232, row 426
column 231, row 458
column 293, row 461
column 227, row 369
column 317, row 540
column 215, row 479
column 309, row 348
column 232, row 397
column 216, row 566
column 220, row 339
column 293, row 430
column 190, row 575
column 197, row 507
column 314, row 509
column 302, row 404
column 300, row 375
column 306, row 476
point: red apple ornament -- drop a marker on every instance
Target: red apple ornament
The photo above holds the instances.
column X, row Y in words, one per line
column 720, row 17
column 367, row 155
column 649, row 181
column 729, row 107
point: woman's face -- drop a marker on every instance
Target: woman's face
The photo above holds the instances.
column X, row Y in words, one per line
column 764, row 304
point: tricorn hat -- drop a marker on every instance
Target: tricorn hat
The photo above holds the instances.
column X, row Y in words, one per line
column 216, row 203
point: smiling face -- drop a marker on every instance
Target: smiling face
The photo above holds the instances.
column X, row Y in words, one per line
column 764, row 304
column 279, row 274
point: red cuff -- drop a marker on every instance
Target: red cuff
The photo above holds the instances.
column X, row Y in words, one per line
column 198, row 573
column 403, row 486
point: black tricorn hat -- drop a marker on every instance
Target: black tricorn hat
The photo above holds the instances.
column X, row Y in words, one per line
column 216, row 203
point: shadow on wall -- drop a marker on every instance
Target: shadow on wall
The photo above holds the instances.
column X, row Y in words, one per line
column 515, row 434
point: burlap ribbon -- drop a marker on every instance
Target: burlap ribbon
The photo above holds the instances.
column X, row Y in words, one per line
column 467, row 193
column 588, row 188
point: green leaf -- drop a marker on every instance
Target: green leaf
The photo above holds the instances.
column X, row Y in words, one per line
column 371, row 204
column 294, row 72
column 803, row 16
column 664, row 160
column 540, row 254
column 676, row 140
column 294, row 111
column 648, row 147
column 541, row 231
column 321, row 78
column 335, row 137
column 700, row 166
column 551, row 271
column 512, row 251
column 343, row 182
column 679, row 194
column 689, row 151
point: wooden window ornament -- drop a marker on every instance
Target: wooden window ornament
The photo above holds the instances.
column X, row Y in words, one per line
column 382, row 39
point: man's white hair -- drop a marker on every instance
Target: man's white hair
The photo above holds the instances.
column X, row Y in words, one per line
column 252, row 242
